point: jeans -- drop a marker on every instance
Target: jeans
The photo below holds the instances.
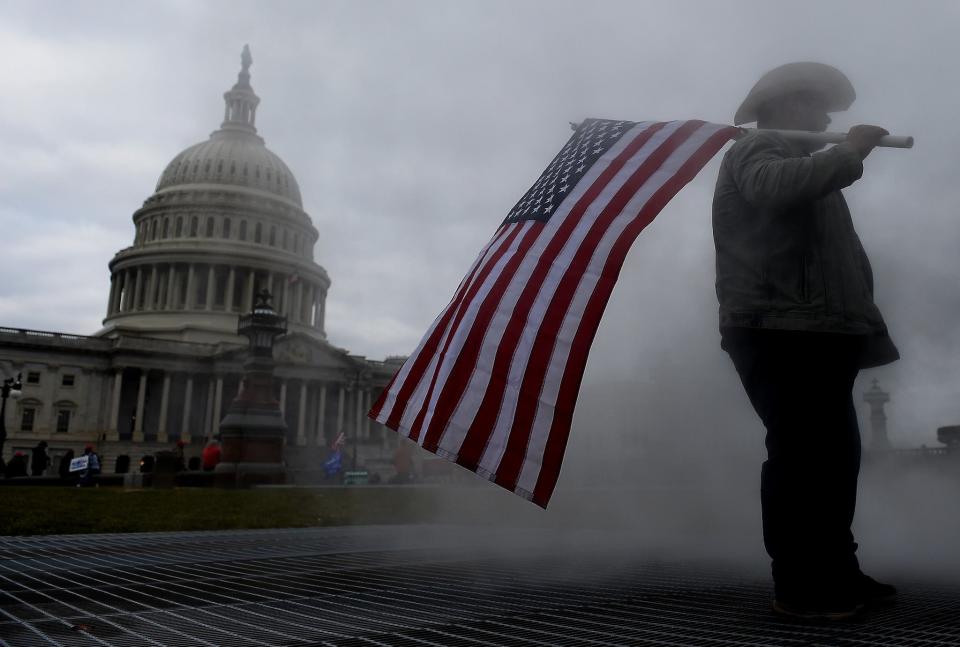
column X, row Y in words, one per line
column 800, row 384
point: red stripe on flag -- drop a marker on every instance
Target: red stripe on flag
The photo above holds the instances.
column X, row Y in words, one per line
column 479, row 432
column 471, row 343
column 576, row 362
column 528, row 399
column 422, row 360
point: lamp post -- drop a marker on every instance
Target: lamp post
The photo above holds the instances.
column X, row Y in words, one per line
column 355, row 381
column 253, row 431
column 876, row 398
column 12, row 387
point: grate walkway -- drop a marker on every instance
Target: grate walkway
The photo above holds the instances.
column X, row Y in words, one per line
column 406, row 586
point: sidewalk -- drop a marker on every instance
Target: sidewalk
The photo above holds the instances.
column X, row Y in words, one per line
column 411, row 585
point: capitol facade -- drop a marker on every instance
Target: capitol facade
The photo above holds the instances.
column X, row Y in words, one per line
column 226, row 220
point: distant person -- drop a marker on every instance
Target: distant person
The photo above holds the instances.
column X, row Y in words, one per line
column 17, row 466
column 210, row 456
column 333, row 465
column 798, row 319
column 178, row 453
column 39, row 460
column 402, row 464
column 88, row 477
column 64, row 468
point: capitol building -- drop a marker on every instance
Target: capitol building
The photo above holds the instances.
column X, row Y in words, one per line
column 225, row 221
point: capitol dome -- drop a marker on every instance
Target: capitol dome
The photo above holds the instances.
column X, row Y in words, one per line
column 226, row 221
column 235, row 154
column 232, row 157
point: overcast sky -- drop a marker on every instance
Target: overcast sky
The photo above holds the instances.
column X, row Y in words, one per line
column 413, row 127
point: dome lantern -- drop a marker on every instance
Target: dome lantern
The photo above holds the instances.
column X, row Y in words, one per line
column 240, row 112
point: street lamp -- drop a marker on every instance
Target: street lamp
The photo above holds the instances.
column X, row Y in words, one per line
column 262, row 326
column 356, row 379
column 11, row 388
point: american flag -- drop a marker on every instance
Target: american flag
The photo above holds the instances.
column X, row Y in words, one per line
column 494, row 382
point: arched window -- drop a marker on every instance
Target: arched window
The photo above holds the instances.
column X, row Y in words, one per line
column 273, row 236
column 226, row 228
column 243, row 230
column 257, row 233
column 194, row 225
column 153, row 231
column 285, row 240
column 296, row 243
column 166, row 227
column 178, row 230
column 210, row 227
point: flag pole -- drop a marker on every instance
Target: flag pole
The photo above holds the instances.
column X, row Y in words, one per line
column 887, row 141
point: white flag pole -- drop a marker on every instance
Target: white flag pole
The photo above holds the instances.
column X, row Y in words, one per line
column 888, row 141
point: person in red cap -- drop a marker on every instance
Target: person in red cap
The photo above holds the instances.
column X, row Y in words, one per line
column 211, row 455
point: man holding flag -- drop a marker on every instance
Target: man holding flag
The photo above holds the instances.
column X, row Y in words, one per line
column 798, row 319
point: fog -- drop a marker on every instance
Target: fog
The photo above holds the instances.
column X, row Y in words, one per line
column 413, row 127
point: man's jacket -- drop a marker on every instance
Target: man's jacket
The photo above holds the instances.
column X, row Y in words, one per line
column 788, row 257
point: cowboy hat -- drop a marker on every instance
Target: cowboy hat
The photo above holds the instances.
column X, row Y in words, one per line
column 824, row 80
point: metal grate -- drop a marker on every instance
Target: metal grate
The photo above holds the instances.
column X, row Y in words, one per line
column 407, row 585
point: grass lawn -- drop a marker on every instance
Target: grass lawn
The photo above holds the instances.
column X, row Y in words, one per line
column 55, row 510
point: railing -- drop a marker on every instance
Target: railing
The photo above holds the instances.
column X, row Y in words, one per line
column 911, row 452
column 47, row 334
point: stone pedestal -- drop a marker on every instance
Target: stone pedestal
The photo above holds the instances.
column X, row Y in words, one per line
column 251, row 439
column 253, row 431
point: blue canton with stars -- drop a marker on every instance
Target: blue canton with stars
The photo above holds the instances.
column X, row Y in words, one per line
column 593, row 138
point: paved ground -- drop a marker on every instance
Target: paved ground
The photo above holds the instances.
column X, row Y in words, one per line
column 408, row 585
